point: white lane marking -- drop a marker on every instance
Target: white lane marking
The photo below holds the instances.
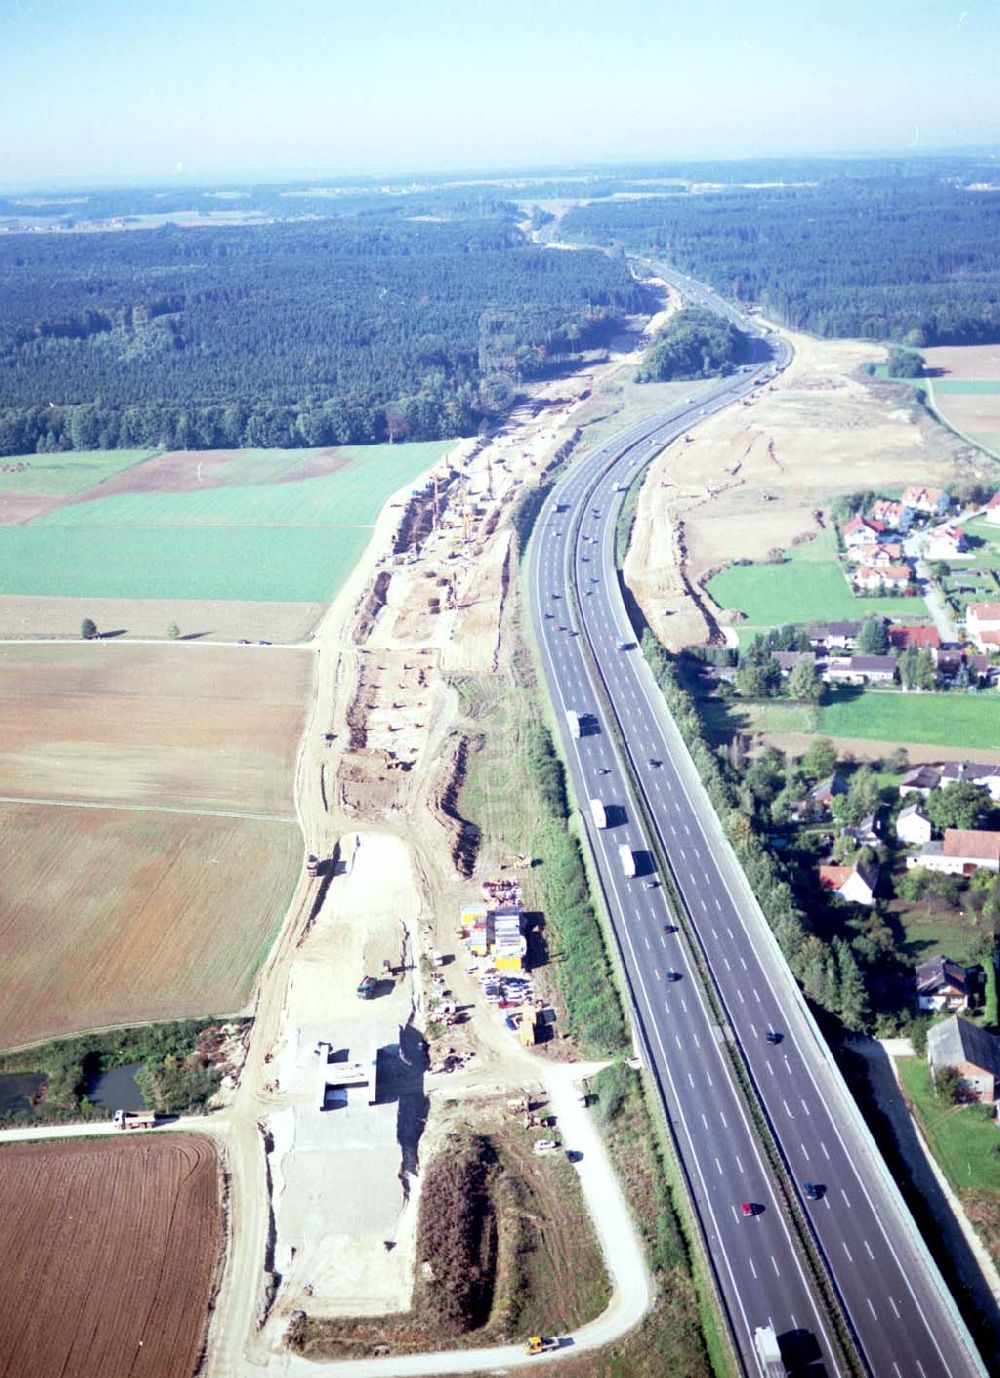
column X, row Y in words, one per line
column 708, row 1077
column 704, row 1119
column 678, row 1042
column 823, row 1147
column 847, row 1202
column 730, row 932
column 757, row 995
column 715, row 935
column 750, row 1261
column 691, row 1080
column 805, row 1152
column 722, row 1117
column 647, row 942
column 895, row 1309
column 868, row 1248
column 847, row 1252
column 804, row 1106
column 719, row 1166
column 777, row 1270
column 871, row 1308
column 743, row 964
column 740, row 994
column 787, row 1111
column 738, row 1163
column 726, row 960
column 697, row 1040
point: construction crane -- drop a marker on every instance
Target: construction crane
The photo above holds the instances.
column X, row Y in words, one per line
column 466, row 512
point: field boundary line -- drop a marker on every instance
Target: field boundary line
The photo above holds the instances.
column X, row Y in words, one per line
column 149, row 808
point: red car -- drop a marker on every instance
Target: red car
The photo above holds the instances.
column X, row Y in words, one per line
column 748, row 1208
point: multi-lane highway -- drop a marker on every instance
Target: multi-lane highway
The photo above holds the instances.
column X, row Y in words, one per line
column 903, row 1321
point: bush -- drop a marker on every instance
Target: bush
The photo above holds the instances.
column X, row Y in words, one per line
column 88, row 629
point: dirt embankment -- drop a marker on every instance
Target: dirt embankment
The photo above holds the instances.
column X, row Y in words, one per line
column 463, row 834
column 755, row 477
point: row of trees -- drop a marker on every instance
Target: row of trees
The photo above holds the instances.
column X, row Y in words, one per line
column 314, row 333
column 910, row 258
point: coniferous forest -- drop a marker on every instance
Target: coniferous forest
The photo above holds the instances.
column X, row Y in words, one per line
column 307, row 332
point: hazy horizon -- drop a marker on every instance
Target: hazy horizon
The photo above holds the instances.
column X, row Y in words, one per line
column 254, row 90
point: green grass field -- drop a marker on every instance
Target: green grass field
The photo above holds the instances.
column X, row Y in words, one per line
column 963, row 1137
column 965, row 720
column 809, row 587
column 972, row 386
column 291, row 542
column 987, row 555
column 70, row 473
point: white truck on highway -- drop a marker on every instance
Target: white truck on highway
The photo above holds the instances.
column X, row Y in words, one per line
column 627, row 859
column 573, row 718
column 765, row 1342
column 598, row 814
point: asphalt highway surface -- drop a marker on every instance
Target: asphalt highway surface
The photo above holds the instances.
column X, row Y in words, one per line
column 902, row 1318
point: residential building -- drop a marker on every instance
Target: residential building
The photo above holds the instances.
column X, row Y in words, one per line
column 885, row 553
column 787, row 660
column 946, row 542
column 920, row 780
column 893, row 515
column 834, row 636
column 927, row 502
column 993, row 509
column 942, row 985
column 874, row 577
column 974, row 773
column 913, row 826
column 861, row 670
column 855, row 884
column 819, row 800
column 861, row 531
column 982, row 622
column 901, row 637
column 960, row 853
column 867, row 833
column 974, row 1053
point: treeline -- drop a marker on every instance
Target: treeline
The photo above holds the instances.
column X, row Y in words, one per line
column 302, row 333
column 913, row 258
column 693, row 344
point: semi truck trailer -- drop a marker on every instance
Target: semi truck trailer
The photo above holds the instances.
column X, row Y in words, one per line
column 628, row 860
column 598, row 814
column 573, row 718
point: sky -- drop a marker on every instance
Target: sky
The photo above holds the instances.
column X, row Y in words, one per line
column 116, row 91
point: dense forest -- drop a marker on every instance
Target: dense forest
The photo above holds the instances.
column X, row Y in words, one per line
column 693, row 344
column 913, row 258
column 306, row 332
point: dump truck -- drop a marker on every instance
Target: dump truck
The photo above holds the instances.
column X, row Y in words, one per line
column 312, row 864
column 765, row 1342
column 367, row 988
column 598, row 814
column 134, row 1119
column 628, row 860
column 541, row 1344
column 573, row 718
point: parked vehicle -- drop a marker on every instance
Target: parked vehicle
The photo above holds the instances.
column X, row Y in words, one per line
column 134, row 1119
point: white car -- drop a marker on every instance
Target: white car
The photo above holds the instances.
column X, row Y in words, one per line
column 545, row 1145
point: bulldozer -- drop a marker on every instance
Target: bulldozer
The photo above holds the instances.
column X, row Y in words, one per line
column 519, row 861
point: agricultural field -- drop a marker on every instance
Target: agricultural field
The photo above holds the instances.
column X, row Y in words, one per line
column 273, row 526
column 107, row 1255
column 965, row 389
column 808, row 587
column 192, row 727
column 113, row 916
column 960, row 720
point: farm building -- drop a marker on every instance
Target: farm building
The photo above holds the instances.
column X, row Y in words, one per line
column 942, row 985
column 861, row 670
column 960, row 853
column 920, row 780
column 974, row 1054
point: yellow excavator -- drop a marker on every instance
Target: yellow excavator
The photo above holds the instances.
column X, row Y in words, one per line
column 541, row 1344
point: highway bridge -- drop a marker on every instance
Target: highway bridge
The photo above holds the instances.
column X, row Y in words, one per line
column 862, row 1242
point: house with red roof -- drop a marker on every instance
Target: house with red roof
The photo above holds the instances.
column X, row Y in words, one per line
column 927, row 502
column 982, row 622
column 946, row 542
column 901, row 638
column 862, row 531
column 993, row 509
column 855, row 884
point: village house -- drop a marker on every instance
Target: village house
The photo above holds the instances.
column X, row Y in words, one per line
column 867, row 833
column 861, row 670
column 920, row 780
column 961, row 852
column 819, row 800
column 834, row 636
column 982, row 622
column 885, row 553
column 860, row 531
column 855, row 884
column 974, row 1054
column 901, row 638
column 993, row 509
column 892, row 514
column 973, row 773
column 913, row 826
column 872, row 577
column 786, row 661
column 946, row 542
column 949, row 662
column 926, row 502
column 942, row 985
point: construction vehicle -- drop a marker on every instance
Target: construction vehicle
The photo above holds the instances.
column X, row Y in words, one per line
column 520, row 861
column 541, row 1344
column 134, row 1119
column 765, row 1342
column 367, row 988
column 598, row 814
column 312, row 864
column 573, row 719
column 627, row 858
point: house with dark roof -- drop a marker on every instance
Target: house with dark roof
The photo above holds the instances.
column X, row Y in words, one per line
column 913, row 826
column 867, row 833
column 974, row 773
column 974, row 1054
column 920, row 780
column 834, row 636
column 942, row 985
column 787, row 660
column 860, row 670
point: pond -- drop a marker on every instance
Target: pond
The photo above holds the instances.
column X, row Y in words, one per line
column 17, row 1090
column 117, row 1089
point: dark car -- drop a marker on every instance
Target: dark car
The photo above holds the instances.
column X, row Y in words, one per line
column 654, row 762
column 773, row 1036
column 814, row 1190
column 672, row 976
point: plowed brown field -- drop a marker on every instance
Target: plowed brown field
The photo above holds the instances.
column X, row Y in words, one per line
column 111, row 916
column 195, row 727
column 107, row 1251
